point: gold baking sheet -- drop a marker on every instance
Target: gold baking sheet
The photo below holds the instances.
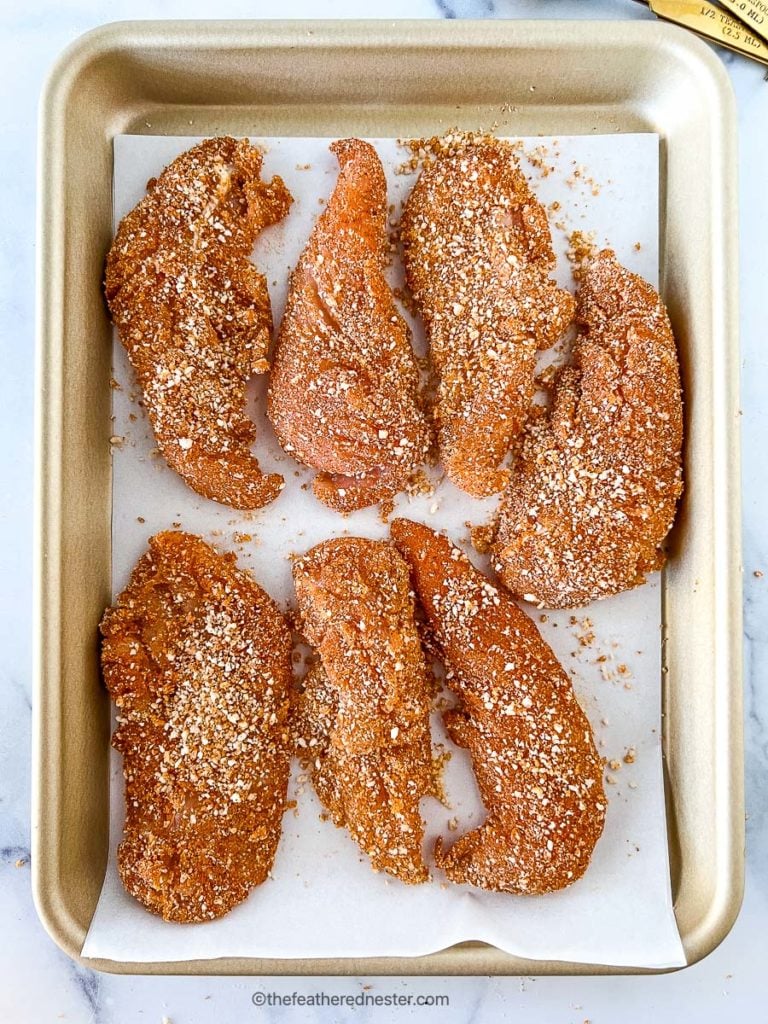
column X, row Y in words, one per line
column 385, row 79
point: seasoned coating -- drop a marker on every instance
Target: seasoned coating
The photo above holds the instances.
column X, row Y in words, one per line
column 344, row 390
column 197, row 658
column 478, row 254
column 193, row 312
column 595, row 487
column 539, row 774
column 363, row 719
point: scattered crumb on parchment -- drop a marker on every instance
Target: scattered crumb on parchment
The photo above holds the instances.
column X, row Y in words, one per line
column 581, row 249
column 481, row 537
column 420, row 485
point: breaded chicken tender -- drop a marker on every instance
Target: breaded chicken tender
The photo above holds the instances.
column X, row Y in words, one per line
column 197, row 658
column 595, row 487
column 363, row 719
column 537, row 769
column 194, row 316
column 478, row 255
column 344, row 389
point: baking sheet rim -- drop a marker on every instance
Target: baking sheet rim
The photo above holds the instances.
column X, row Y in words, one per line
column 99, row 42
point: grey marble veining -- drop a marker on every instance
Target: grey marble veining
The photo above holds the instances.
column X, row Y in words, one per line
column 39, row 984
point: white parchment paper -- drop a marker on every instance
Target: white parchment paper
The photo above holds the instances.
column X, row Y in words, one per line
column 323, row 900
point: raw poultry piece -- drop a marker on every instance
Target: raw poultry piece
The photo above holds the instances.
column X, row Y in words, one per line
column 478, row 255
column 363, row 719
column 197, row 658
column 595, row 486
column 539, row 774
column 193, row 312
column 344, row 390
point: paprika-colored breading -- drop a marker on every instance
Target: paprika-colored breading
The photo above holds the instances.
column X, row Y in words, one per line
column 595, row 486
column 344, row 390
column 197, row 658
column 534, row 757
column 478, row 255
column 363, row 719
column 194, row 316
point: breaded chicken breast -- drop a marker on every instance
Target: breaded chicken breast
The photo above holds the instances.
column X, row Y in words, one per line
column 197, row 658
column 363, row 719
column 595, row 486
column 194, row 316
column 478, row 257
column 534, row 757
column 344, row 389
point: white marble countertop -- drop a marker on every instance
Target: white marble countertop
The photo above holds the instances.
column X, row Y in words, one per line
column 37, row 982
